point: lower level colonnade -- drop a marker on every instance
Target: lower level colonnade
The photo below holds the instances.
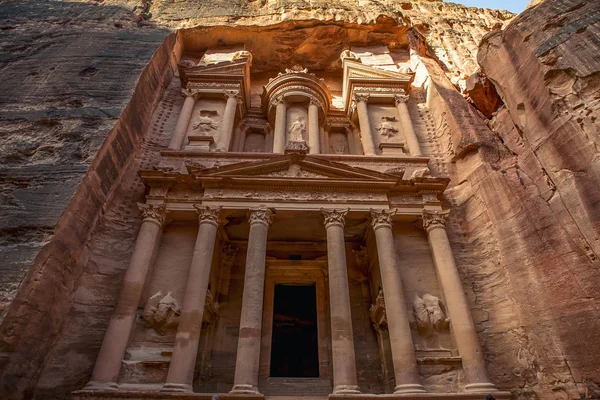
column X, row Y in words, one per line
column 246, row 381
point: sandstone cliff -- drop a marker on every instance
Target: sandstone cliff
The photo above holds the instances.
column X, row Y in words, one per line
column 81, row 80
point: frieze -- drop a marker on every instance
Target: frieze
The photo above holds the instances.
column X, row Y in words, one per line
column 282, row 195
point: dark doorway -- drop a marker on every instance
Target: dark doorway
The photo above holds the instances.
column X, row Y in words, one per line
column 294, row 350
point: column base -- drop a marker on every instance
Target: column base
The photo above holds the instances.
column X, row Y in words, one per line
column 409, row 388
column 245, row 389
column 346, row 389
column 480, row 387
column 95, row 386
column 177, row 388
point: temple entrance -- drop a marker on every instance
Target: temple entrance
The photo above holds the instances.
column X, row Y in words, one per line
column 294, row 351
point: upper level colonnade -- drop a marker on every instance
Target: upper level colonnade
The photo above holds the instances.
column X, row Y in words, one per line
column 296, row 110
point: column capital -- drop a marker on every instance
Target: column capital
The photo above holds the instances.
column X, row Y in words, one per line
column 401, row 98
column 434, row 219
column 333, row 217
column 189, row 92
column 381, row 218
column 358, row 97
column 313, row 101
column 275, row 101
column 260, row 215
column 231, row 93
column 208, row 215
column 156, row 213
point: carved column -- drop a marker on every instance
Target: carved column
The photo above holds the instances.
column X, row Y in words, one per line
column 461, row 322
column 232, row 96
column 314, row 142
column 184, row 119
column 279, row 139
column 365, row 125
column 248, row 351
column 403, row 351
column 407, row 126
column 342, row 336
column 108, row 363
column 183, row 361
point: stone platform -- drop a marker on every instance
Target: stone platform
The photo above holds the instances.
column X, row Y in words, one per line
column 154, row 395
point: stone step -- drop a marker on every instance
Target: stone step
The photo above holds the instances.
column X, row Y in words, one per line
column 295, row 397
column 296, row 387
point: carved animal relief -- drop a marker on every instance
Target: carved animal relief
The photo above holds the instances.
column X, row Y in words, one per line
column 162, row 313
column 205, row 123
column 386, row 128
column 430, row 314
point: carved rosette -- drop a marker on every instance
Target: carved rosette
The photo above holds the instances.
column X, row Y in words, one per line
column 434, row 219
column 334, row 217
column 208, row 215
column 260, row 215
column 401, row 98
column 154, row 213
column 381, row 218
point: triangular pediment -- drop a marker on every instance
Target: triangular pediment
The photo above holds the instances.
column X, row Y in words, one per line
column 295, row 167
column 355, row 69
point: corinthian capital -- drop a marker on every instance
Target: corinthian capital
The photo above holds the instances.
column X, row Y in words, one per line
column 314, row 101
column 381, row 218
column 434, row 219
column 153, row 212
column 334, row 217
column 231, row 93
column 260, row 215
column 189, row 92
column 401, row 98
column 358, row 97
column 275, row 101
column 209, row 215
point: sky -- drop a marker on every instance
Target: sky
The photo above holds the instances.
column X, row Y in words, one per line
column 515, row 6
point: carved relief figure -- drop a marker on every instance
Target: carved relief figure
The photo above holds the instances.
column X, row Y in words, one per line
column 162, row 313
column 430, row 314
column 338, row 143
column 386, row 128
column 205, row 123
column 297, row 130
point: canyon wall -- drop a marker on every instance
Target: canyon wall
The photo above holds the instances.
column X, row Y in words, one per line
column 81, row 84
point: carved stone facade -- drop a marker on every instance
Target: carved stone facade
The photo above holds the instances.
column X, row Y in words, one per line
column 315, row 193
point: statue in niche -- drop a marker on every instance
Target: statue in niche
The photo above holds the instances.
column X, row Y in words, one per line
column 205, row 123
column 297, row 130
column 162, row 313
column 430, row 314
column 386, row 128
column 338, row 143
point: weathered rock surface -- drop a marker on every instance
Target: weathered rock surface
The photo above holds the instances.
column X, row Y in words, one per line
column 542, row 195
column 482, row 94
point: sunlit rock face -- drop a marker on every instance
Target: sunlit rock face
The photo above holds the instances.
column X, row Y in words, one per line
column 92, row 95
